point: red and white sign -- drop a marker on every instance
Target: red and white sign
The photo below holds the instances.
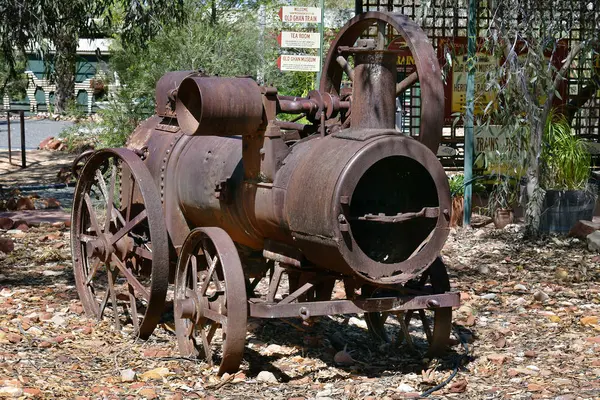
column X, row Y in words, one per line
column 300, row 15
column 298, row 62
column 304, row 40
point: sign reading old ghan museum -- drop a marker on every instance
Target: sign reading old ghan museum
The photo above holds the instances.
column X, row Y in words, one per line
column 306, row 63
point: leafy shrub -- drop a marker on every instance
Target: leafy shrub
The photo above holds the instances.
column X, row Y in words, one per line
column 565, row 157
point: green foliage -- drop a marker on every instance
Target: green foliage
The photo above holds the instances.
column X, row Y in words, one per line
column 457, row 185
column 566, row 160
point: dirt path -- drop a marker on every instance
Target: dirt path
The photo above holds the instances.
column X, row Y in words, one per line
column 529, row 315
column 42, row 167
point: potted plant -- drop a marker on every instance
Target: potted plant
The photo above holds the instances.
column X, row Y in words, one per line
column 565, row 172
column 501, row 201
column 457, row 191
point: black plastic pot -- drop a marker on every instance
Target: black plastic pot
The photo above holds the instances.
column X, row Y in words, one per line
column 563, row 208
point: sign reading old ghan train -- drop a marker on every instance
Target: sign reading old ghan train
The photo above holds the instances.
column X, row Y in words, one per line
column 300, row 15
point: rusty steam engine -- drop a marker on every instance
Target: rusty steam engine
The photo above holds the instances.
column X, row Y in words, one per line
column 249, row 215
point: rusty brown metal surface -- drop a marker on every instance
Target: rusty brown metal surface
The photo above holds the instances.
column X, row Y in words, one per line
column 165, row 95
column 428, row 70
column 111, row 242
column 343, row 196
column 332, row 307
column 210, row 299
column 219, row 106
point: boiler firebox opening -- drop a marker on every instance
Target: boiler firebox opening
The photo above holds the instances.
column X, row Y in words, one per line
column 391, row 186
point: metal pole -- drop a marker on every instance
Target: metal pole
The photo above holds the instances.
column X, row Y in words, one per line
column 321, row 29
column 23, row 161
column 358, row 7
column 470, row 106
column 9, row 146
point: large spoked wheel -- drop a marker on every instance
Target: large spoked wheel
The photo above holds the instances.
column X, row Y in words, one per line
column 425, row 331
column 426, row 75
column 119, row 242
column 211, row 307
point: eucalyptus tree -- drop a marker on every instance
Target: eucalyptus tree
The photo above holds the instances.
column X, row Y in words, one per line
column 539, row 43
column 42, row 25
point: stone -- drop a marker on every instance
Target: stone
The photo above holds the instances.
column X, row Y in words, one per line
column 13, row 337
column 10, row 391
column 156, row 373
column 359, row 323
column 44, row 143
column 541, row 296
column 324, row 393
column 6, row 223
column 53, row 144
column 21, row 225
column 51, row 273
column 32, row 392
column 59, row 321
column 266, row 376
column 127, row 375
column 6, row 245
column 489, row 296
column 484, row 269
column 25, row 203
column 520, row 287
column 496, row 358
column 582, row 229
column 52, row 203
column 405, row 388
column 148, row 393
column 593, row 241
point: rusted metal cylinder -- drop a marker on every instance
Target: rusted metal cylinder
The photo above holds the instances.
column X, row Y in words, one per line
column 333, row 183
column 374, row 91
column 166, row 89
column 219, row 106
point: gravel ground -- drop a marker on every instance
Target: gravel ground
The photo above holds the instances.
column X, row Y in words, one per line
column 530, row 314
column 35, row 132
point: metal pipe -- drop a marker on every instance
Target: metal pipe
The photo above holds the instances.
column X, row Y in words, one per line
column 22, row 118
column 341, row 60
column 296, row 107
column 9, row 145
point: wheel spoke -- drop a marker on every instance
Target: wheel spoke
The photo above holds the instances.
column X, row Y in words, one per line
column 211, row 332
column 144, row 253
column 87, row 238
column 426, row 326
column 131, row 279
column 133, row 302
column 128, row 227
column 129, row 197
column 206, row 346
column 93, row 217
column 109, row 201
column 215, row 316
column 113, row 298
column 209, row 274
column 103, row 304
column 91, row 275
column 194, row 273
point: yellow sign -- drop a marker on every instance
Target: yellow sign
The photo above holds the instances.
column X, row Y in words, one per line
column 483, row 96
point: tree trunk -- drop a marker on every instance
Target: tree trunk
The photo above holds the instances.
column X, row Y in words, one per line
column 64, row 70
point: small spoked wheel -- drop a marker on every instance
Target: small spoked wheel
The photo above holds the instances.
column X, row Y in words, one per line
column 424, row 331
column 211, row 307
column 119, row 241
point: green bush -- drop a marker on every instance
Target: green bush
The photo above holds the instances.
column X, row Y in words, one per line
column 565, row 157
